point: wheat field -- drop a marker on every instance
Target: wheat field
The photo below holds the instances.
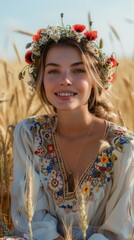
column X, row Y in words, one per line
column 17, row 103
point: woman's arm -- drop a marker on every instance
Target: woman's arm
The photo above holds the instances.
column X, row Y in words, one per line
column 119, row 219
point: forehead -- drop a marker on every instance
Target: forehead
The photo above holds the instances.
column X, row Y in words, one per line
column 63, row 54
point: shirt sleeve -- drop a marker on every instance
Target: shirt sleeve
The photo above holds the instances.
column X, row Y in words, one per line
column 119, row 219
column 44, row 225
column 97, row 236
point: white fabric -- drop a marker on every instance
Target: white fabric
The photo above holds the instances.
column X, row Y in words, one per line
column 97, row 236
column 44, row 225
column 115, row 202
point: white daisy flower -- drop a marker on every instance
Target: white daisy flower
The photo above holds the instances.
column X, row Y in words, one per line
column 36, row 50
column 86, row 187
column 55, row 183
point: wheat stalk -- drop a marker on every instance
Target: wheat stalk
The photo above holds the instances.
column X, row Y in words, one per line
column 29, row 198
column 129, row 20
column 1, row 168
column 67, row 231
column 24, row 32
column 82, row 210
column 83, row 216
column 116, row 34
column 5, row 174
column 17, row 52
column 6, row 72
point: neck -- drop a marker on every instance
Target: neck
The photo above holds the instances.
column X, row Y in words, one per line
column 73, row 123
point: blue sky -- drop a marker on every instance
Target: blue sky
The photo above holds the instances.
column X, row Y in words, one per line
column 31, row 15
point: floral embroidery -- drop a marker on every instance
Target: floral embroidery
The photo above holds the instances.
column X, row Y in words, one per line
column 47, row 136
column 96, row 176
column 59, row 200
column 40, row 118
column 86, row 187
column 104, row 159
column 50, row 148
column 40, row 151
column 55, row 183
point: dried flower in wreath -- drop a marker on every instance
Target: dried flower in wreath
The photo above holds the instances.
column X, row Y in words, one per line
column 78, row 33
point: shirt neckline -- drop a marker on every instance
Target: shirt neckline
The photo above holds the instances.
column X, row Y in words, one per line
column 68, row 194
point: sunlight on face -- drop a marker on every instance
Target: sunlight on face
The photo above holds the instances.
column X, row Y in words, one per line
column 67, row 84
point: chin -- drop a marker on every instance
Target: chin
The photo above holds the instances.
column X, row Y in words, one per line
column 65, row 108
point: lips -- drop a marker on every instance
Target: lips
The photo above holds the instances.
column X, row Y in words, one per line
column 65, row 94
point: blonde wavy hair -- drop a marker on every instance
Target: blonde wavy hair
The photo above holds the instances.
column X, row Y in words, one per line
column 98, row 103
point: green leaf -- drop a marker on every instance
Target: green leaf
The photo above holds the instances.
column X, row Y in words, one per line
column 28, row 45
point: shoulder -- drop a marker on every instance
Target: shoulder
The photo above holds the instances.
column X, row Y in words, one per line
column 115, row 131
column 120, row 137
column 32, row 124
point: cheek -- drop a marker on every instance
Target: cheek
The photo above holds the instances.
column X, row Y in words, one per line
column 50, row 82
column 47, row 83
column 48, row 90
column 47, row 87
column 84, row 84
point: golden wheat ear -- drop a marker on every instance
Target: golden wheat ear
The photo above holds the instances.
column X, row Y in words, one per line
column 67, row 230
column 29, row 204
column 82, row 209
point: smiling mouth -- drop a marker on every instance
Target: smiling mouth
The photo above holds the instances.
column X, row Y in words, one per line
column 65, row 94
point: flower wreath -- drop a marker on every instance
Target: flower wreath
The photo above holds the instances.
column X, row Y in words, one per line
column 77, row 32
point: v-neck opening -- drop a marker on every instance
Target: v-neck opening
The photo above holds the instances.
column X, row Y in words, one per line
column 58, row 154
column 91, row 164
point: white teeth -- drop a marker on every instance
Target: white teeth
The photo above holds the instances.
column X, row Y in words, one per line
column 65, row 94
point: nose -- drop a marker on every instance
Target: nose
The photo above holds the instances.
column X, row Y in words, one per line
column 66, row 80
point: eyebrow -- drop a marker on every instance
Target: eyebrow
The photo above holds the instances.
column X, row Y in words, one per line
column 57, row 65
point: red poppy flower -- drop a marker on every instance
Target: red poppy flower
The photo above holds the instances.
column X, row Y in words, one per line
column 113, row 60
column 39, row 31
column 50, row 148
column 91, row 35
column 78, row 27
column 35, row 37
column 28, row 57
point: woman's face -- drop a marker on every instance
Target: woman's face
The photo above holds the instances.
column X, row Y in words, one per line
column 66, row 82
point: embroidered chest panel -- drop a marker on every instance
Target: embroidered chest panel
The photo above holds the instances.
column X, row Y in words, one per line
column 52, row 168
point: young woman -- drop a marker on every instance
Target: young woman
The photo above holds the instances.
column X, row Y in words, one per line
column 77, row 152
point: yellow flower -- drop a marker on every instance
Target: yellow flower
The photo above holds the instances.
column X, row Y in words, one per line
column 104, row 159
column 86, row 189
column 113, row 158
column 40, row 118
column 96, row 189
